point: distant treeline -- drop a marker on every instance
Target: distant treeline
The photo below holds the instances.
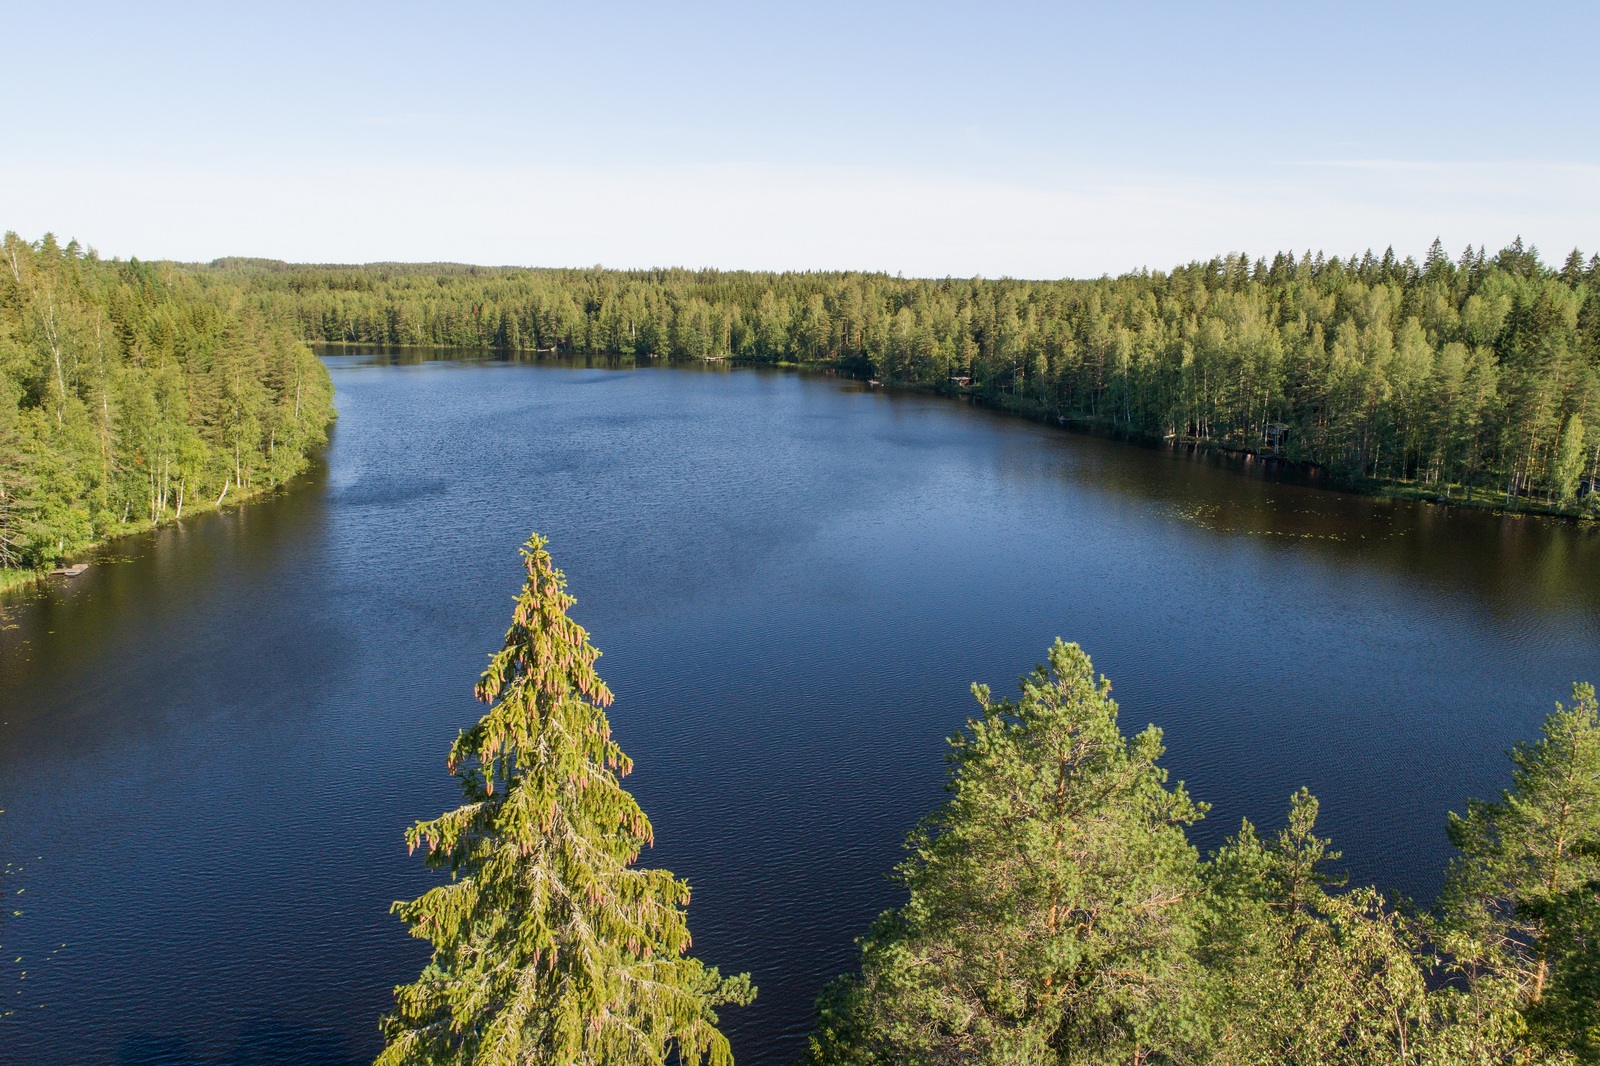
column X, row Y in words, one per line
column 133, row 393
column 1479, row 371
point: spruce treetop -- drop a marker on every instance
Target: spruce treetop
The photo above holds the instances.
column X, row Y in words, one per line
column 550, row 945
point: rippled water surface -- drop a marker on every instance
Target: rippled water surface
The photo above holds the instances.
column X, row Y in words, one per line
column 211, row 742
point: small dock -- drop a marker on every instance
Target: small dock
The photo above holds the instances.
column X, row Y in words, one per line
column 70, row 571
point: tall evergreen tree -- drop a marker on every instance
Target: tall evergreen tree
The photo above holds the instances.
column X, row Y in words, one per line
column 551, row 945
column 1437, row 261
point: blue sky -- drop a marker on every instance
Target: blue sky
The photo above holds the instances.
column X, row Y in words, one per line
column 1021, row 139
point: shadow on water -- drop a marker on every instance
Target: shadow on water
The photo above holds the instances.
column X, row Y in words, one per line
column 349, row 356
column 1513, row 561
column 214, row 565
column 262, row 1041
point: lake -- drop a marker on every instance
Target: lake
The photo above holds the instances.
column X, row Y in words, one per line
column 212, row 742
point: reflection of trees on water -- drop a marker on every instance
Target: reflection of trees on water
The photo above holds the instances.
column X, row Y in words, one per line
column 135, row 583
column 405, row 355
column 1510, row 562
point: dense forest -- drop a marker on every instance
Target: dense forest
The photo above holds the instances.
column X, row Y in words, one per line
column 1056, row 911
column 134, row 393
column 1476, row 373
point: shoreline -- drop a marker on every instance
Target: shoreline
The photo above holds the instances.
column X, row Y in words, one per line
column 12, row 579
column 1450, row 496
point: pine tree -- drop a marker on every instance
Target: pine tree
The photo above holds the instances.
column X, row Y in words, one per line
column 1050, row 897
column 550, row 945
column 1297, row 974
column 1524, row 856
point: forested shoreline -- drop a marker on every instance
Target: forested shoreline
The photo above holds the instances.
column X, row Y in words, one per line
column 1470, row 375
column 1474, row 379
column 132, row 394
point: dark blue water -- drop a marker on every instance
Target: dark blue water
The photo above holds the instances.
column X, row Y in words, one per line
column 211, row 743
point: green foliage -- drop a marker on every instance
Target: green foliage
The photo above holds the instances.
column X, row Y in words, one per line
column 1047, row 918
column 132, row 394
column 1570, row 460
column 1520, row 903
column 1568, row 1016
column 1296, row 974
column 550, row 944
column 1057, row 915
column 1482, row 374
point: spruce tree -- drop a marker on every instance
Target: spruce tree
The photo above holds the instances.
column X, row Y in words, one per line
column 550, row 945
column 1437, row 261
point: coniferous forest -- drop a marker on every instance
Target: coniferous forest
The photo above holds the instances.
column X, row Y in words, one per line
column 1478, row 375
column 134, row 393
